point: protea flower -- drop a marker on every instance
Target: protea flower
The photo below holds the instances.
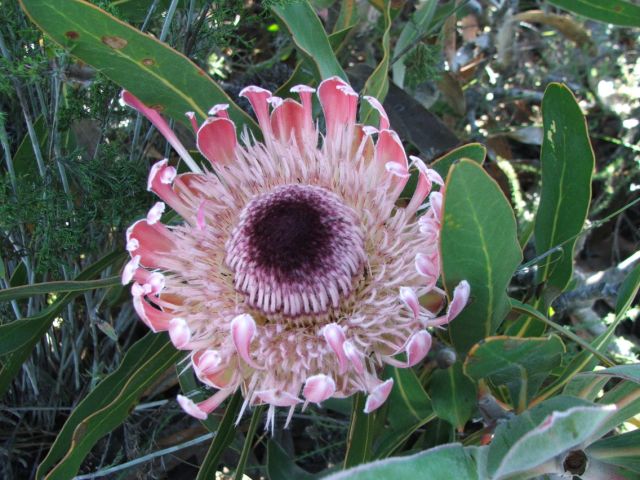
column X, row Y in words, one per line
column 295, row 275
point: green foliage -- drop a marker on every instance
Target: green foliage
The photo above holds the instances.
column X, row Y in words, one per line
column 423, row 64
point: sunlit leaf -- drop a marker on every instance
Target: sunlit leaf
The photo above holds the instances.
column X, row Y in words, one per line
column 618, row 12
column 160, row 76
column 479, row 244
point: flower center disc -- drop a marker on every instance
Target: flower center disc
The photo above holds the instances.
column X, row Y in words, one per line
column 296, row 251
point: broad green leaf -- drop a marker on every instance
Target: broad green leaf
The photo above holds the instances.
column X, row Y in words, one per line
column 628, row 291
column 24, row 160
column 19, row 275
column 519, row 364
column 587, row 388
column 136, row 10
column 478, row 243
column 445, row 462
column 309, row 36
column 621, row 450
column 409, row 409
column 473, row 151
column 453, row 395
column 567, row 166
column 618, row 12
column 26, row 291
column 629, row 372
column 542, row 433
column 104, row 393
column 160, row 76
column 377, row 84
column 221, row 441
column 348, row 17
column 22, row 335
column 360, row 437
column 417, row 25
column 280, row 466
column 131, row 385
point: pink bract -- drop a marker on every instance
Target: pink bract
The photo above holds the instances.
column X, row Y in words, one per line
column 295, row 276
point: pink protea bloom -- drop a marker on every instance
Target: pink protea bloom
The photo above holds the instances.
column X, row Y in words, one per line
column 295, row 276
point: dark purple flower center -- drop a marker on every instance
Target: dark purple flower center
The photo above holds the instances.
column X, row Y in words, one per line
column 296, row 250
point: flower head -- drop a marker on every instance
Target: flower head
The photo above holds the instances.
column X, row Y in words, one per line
column 295, row 275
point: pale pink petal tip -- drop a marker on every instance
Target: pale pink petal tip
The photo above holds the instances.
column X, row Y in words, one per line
column 435, row 177
column 190, row 407
column 156, row 281
column 409, row 297
column 155, row 213
column 418, row 347
column 369, row 130
column 275, row 101
column 216, row 109
column 397, row 170
column 375, row 103
column 334, row 335
column 179, row 333
column 166, row 174
column 208, row 362
column 318, row 388
column 253, row 89
column 460, row 298
column 302, row 88
column 436, row 203
column 378, row 396
column 354, row 356
column 243, row 329
column 130, row 269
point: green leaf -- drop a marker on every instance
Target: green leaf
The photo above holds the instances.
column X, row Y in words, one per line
column 453, row 395
column 473, row 151
column 360, row 435
column 256, row 416
column 160, row 76
column 417, row 25
column 450, row 461
column 17, row 293
column 542, row 433
column 377, row 84
column 24, row 160
column 280, row 466
column 519, row 364
column 617, row 12
column 621, row 450
column 478, row 243
column 136, row 10
column 309, row 36
column 628, row 291
column 19, row 275
column 221, row 441
column 108, row 405
column 409, row 409
column 567, row 166
column 626, row 397
column 629, row 372
column 18, row 338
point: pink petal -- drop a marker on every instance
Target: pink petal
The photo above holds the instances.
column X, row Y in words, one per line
column 430, row 228
column 378, row 396
column 200, row 220
column 163, row 127
column 353, row 356
column 179, row 333
column 334, row 335
column 278, row 398
column 130, row 269
column 389, row 149
column 207, row 361
column 288, row 119
column 318, row 388
column 150, row 242
column 155, row 213
column 384, row 118
column 460, row 298
column 435, row 177
column 152, row 282
column 192, row 408
column 423, row 188
column 156, row 320
column 219, row 110
column 243, row 329
column 203, row 409
column 192, row 119
column 428, row 266
column 409, row 297
column 436, row 204
column 216, row 140
column 418, row 347
column 307, row 105
column 187, row 185
column 339, row 104
column 258, row 99
column 159, row 182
